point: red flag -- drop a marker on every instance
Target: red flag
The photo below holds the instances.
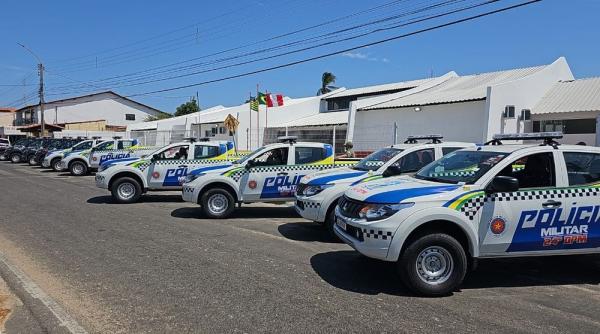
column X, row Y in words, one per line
column 277, row 102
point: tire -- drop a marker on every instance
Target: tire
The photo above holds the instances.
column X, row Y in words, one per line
column 433, row 265
column 330, row 222
column 32, row 161
column 15, row 158
column 3, row 157
column 217, row 203
column 54, row 164
column 78, row 168
column 126, row 190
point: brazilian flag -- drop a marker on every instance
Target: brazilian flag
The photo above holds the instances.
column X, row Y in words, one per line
column 262, row 98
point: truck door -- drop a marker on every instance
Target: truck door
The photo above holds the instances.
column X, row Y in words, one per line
column 169, row 168
column 266, row 180
column 523, row 220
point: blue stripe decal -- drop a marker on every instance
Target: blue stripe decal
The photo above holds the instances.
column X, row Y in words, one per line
column 206, row 169
column 106, row 162
column 397, row 196
column 331, row 178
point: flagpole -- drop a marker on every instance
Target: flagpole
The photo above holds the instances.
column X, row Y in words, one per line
column 257, row 120
column 249, row 142
column 267, row 113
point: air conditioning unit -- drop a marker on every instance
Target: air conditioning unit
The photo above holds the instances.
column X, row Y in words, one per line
column 509, row 112
column 525, row 115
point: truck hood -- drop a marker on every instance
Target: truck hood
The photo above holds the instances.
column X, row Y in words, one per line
column 399, row 189
column 334, row 176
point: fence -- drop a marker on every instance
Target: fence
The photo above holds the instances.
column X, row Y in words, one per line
column 89, row 134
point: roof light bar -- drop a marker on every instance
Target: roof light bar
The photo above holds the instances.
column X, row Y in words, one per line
column 287, row 139
column 436, row 139
column 529, row 136
column 204, row 139
column 190, row 139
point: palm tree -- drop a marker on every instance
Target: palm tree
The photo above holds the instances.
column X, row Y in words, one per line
column 326, row 80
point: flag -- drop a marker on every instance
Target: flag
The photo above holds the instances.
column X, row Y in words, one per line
column 262, row 98
column 270, row 100
column 254, row 104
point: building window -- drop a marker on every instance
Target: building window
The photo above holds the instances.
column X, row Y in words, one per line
column 568, row 126
column 509, row 112
column 221, row 130
column 130, row 117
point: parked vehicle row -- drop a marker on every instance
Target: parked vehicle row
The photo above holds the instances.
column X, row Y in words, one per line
column 433, row 208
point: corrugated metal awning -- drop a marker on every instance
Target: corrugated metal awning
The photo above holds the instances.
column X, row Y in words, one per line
column 571, row 96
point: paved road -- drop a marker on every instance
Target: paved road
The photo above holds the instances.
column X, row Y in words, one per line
column 158, row 266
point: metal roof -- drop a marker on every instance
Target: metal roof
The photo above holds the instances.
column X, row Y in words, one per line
column 322, row 118
column 457, row 89
column 379, row 88
column 570, row 96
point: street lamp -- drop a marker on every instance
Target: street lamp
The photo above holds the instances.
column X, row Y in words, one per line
column 41, row 92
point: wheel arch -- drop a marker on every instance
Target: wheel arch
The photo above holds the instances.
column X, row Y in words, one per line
column 218, row 184
column 130, row 174
column 425, row 222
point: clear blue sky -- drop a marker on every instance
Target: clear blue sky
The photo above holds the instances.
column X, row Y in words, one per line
column 130, row 36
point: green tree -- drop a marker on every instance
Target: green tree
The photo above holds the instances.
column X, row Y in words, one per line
column 187, row 108
column 326, row 80
column 162, row 115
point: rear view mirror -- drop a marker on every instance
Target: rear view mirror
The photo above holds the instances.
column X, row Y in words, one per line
column 392, row 171
column 502, row 184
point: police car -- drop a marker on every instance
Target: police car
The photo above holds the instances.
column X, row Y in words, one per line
column 164, row 169
column 269, row 174
column 78, row 162
column 491, row 201
column 127, row 149
column 318, row 193
column 53, row 158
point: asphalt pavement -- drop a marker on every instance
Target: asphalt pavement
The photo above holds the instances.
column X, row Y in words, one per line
column 160, row 267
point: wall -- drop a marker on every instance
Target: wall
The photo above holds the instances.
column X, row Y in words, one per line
column 455, row 121
column 7, row 118
column 87, row 126
column 523, row 93
column 588, row 138
column 106, row 106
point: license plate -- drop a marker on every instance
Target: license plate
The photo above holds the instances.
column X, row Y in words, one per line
column 340, row 223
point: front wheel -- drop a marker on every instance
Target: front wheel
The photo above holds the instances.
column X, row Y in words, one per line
column 433, row 265
column 15, row 158
column 126, row 190
column 55, row 164
column 330, row 223
column 217, row 203
column 78, row 168
column 32, row 161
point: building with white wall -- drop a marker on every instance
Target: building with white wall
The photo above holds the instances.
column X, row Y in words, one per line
column 107, row 110
column 463, row 108
column 572, row 107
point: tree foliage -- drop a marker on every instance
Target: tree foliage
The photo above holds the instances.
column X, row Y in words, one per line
column 187, row 108
column 327, row 79
column 162, row 115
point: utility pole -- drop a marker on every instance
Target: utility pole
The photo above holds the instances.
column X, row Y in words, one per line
column 41, row 92
column 41, row 69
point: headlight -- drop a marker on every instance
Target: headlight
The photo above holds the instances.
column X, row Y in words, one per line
column 313, row 190
column 372, row 212
column 191, row 177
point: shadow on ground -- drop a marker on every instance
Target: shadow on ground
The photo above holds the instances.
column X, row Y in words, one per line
column 107, row 199
column 306, row 231
column 348, row 270
column 243, row 212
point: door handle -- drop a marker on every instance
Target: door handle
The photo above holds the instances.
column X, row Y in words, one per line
column 182, row 166
column 551, row 204
column 282, row 173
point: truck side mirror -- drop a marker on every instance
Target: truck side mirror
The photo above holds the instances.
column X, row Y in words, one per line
column 502, row 184
column 155, row 157
column 250, row 164
column 392, row 171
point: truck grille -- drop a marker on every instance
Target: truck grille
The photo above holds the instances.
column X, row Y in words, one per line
column 349, row 207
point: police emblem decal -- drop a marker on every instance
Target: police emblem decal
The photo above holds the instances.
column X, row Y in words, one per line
column 497, row 225
column 155, row 175
column 252, row 184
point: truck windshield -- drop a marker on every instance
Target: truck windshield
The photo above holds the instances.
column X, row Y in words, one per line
column 461, row 166
column 251, row 155
column 377, row 159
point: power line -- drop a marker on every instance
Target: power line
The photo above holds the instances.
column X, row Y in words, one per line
column 107, row 81
column 342, row 51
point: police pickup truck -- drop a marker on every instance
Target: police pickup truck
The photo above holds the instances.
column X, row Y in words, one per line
column 79, row 163
column 59, row 144
column 165, row 169
column 54, row 157
column 269, row 174
column 318, row 193
column 491, row 201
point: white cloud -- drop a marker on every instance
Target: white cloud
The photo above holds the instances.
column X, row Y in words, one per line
column 364, row 56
